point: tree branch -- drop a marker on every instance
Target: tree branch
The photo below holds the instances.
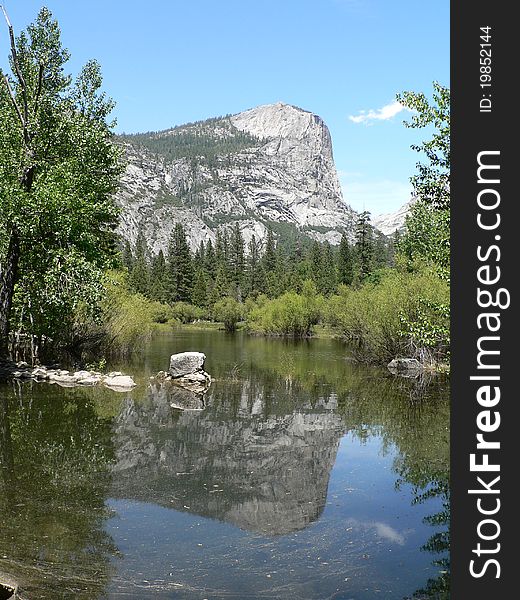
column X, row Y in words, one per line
column 15, row 104
column 18, row 72
column 6, row 16
column 38, row 90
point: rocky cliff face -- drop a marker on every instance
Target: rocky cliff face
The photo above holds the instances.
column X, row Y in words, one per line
column 269, row 165
column 389, row 223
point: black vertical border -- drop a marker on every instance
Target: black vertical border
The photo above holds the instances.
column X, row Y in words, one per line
column 473, row 131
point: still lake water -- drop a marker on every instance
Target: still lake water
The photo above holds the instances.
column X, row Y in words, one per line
column 305, row 476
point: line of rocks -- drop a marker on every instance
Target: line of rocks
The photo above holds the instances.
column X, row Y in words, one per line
column 114, row 380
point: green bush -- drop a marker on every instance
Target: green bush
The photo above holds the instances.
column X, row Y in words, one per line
column 254, row 303
column 161, row 313
column 229, row 311
column 186, row 313
column 291, row 314
column 405, row 314
column 127, row 319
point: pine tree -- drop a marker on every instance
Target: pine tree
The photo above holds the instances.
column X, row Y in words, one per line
column 237, row 260
column 345, row 262
column 199, row 296
column 222, row 279
column 381, row 255
column 269, row 264
column 126, row 256
column 201, row 253
column 210, row 261
column 393, row 245
column 303, row 272
column 294, row 261
column 158, row 284
column 269, row 258
column 180, row 267
column 255, row 271
column 282, row 270
column 222, row 248
column 140, row 275
column 329, row 275
column 221, row 286
column 364, row 245
column 316, row 260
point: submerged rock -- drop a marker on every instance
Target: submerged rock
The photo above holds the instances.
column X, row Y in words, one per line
column 198, row 386
column 118, row 382
column 407, row 366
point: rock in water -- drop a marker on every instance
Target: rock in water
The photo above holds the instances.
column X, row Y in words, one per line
column 119, row 383
column 186, row 363
column 187, row 371
column 114, row 380
column 405, row 366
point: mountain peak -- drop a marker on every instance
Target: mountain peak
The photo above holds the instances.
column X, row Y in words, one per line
column 277, row 120
column 389, row 223
column 269, row 167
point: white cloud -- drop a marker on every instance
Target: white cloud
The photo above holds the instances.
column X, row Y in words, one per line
column 381, row 114
column 389, row 533
column 382, row 530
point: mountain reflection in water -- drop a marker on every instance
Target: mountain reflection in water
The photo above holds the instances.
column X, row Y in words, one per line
column 232, row 462
column 302, row 476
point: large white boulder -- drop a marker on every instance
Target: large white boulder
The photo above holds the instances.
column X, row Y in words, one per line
column 185, row 363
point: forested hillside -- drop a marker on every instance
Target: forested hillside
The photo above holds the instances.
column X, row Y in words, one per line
column 202, row 139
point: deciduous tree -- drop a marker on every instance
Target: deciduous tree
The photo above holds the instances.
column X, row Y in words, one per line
column 58, row 170
column 427, row 235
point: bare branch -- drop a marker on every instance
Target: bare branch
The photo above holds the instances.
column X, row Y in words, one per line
column 18, row 72
column 6, row 16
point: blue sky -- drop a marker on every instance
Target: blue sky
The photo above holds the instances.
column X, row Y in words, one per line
column 167, row 62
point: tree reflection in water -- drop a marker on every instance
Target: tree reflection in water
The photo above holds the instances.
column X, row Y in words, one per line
column 283, row 406
column 438, row 544
column 55, row 454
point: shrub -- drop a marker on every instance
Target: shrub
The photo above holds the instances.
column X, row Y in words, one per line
column 291, row 314
column 127, row 319
column 161, row 313
column 404, row 314
column 229, row 311
column 186, row 313
column 124, row 322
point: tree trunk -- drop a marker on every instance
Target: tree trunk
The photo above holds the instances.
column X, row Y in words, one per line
column 8, row 278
